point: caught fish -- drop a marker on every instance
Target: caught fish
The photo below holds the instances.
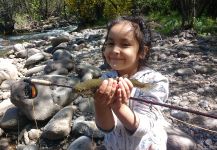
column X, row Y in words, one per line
column 89, row 87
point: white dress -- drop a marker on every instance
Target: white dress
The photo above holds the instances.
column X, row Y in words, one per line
column 150, row 133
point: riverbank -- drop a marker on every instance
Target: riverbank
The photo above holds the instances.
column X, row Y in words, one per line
column 188, row 61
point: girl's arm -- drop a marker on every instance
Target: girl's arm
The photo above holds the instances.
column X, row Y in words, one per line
column 120, row 107
column 103, row 97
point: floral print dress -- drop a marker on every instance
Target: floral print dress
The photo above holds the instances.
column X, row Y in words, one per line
column 150, row 134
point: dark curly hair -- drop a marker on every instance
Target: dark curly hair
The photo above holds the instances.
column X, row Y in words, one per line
column 141, row 30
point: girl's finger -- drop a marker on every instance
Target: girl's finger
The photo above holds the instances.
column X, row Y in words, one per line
column 109, row 86
column 103, row 87
column 119, row 95
column 130, row 85
column 126, row 87
column 123, row 92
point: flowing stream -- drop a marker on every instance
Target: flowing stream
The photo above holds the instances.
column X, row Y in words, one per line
column 7, row 42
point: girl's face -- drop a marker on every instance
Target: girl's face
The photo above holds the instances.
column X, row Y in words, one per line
column 122, row 49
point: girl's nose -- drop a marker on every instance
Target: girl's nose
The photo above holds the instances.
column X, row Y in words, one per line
column 116, row 50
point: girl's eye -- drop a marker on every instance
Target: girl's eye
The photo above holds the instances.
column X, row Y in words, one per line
column 126, row 45
column 109, row 44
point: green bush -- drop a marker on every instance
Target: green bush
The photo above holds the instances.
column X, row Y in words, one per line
column 168, row 23
column 205, row 25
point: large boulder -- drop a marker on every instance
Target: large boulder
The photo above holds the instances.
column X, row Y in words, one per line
column 40, row 102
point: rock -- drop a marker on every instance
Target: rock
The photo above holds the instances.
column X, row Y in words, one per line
column 60, row 125
column 1, row 132
column 183, row 54
column 34, row 134
column 8, row 71
column 36, row 58
column 34, row 70
column 206, row 122
column 87, row 69
column 185, row 72
column 82, row 143
column 4, row 143
column 46, row 103
column 28, row 147
column 202, row 69
column 56, row 41
column 13, row 119
column 5, row 105
column 62, row 55
column 6, row 85
column 178, row 140
column 20, row 51
column 87, row 106
column 87, row 128
column 180, row 115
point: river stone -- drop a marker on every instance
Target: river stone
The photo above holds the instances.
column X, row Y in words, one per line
column 36, row 58
column 185, row 72
column 178, row 140
column 4, row 143
column 82, row 143
column 206, row 122
column 13, row 119
column 49, row 99
column 5, row 105
column 56, row 41
column 8, row 71
column 28, row 147
column 32, row 51
column 62, row 54
column 60, row 125
column 202, row 69
column 59, row 67
column 87, row 128
column 20, row 51
column 34, row 70
column 1, row 132
column 87, row 69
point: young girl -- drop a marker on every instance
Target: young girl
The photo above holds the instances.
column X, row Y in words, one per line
column 128, row 124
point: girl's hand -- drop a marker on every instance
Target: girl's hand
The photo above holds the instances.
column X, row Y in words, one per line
column 123, row 92
column 105, row 94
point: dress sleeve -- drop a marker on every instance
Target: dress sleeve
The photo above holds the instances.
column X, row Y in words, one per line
column 149, row 114
column 160, row 90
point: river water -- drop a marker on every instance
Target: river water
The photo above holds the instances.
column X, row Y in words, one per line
column 7, row 42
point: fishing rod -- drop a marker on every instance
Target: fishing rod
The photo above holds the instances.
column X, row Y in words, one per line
column 49, row 83
column 175, row 107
